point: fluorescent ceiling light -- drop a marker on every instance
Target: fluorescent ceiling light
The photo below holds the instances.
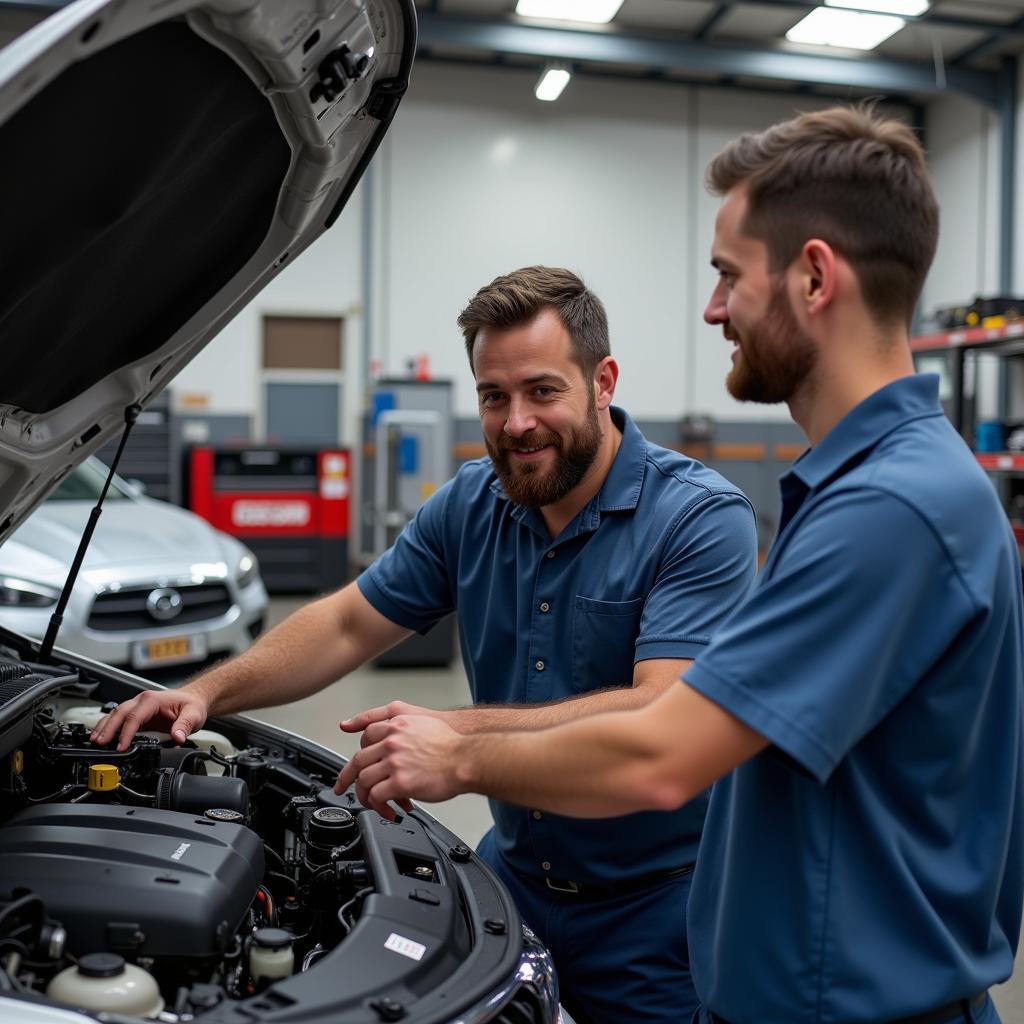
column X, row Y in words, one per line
column 597, row 12
column 551, row 84
column 906, row 8
column 828, row 26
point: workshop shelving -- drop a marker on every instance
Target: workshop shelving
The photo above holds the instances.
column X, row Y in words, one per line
column 955, row 347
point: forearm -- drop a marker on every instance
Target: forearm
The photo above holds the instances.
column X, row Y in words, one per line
column 518, row 717
column 600, row 766
column 298, row 657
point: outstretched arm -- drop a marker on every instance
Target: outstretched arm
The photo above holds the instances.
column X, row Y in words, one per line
column 650, row 680
column 313, row 647
column 654, row 758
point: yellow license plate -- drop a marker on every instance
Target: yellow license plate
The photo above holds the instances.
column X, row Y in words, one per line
column 164, row 650
column 169, row 650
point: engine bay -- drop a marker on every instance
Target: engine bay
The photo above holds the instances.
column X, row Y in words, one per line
column 222, row 879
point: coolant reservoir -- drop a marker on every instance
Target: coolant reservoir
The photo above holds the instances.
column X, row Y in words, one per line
column 87, row 715
column 104, row 983
column 270, row 954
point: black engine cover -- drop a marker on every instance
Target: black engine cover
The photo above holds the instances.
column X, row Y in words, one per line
column 134, row 880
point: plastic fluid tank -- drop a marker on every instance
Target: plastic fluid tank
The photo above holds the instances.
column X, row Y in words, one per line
column 103, row 982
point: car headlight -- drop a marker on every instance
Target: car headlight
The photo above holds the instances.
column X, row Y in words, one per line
column 248, row 569
column 19, row 593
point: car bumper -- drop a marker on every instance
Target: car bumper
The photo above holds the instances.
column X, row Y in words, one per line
column 226, row 634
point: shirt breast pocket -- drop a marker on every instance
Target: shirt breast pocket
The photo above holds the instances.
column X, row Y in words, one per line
column 603, row 642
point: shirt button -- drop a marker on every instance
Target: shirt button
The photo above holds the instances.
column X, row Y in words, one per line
column 537, row 815
column 551, row 554
column 544, row 606
column 546, row 865
column 539, row 665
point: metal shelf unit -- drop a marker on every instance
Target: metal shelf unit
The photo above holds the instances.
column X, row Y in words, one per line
column 1004, row 341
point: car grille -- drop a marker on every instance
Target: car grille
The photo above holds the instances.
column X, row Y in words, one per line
column 9, row 689
column 523, row 1008
column 126, row 609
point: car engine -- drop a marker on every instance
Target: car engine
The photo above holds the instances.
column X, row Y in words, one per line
column 204, row 880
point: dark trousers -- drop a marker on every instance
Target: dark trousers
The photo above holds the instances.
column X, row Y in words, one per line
column 621, row 959
column 984, row 1014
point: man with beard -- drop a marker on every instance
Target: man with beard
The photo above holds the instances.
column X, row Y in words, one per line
column 587, row 568
column 863, row 856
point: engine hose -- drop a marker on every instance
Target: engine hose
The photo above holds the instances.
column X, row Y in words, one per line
column 30, row 899
column 312, row 956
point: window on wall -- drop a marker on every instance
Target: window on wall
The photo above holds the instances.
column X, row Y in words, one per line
column 302, row 343
column 303, row 364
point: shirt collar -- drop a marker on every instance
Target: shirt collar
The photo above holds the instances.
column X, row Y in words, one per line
column 899, row 402
column 621, row 488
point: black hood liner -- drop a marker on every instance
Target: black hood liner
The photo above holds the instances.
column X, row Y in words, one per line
column 135, row 185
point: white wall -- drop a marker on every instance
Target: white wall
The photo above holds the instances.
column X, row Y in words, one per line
column 607, row 181
column 477, row 178
column 326, row 280
column 964, row 155
column 485, row 179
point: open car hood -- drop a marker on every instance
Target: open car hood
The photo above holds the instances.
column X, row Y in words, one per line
column 162, row 161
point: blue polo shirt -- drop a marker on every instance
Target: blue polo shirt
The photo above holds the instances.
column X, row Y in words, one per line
column 868, row 865
column 649, row 568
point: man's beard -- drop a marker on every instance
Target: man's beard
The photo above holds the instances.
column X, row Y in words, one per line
column 776, row 357
column 531, row 484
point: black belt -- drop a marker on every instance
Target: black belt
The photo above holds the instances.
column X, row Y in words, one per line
column 940, row 1015
column 608, row 890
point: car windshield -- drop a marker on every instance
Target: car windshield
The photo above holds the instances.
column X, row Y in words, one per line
column 85, row 483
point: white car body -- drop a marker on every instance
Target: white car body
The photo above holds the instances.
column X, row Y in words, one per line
column 123, row 610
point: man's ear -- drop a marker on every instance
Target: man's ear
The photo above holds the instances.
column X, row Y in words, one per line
column 605, row 378
column 817, row 266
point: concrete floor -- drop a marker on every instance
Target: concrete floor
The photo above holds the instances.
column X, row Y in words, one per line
column 317, row 717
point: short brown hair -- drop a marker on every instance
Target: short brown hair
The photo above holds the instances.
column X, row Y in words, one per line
column 513, row 300
column 850, row 177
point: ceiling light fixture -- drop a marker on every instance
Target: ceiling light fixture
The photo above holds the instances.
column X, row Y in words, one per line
column 551, row 83
column 904, row 8
column 594, row 12
column 830, row 26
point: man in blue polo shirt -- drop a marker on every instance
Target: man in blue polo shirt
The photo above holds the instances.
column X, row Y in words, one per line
column 587, row 568
column 863, row 857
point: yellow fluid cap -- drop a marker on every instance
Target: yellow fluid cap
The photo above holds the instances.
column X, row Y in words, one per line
column 18, row 762
column 103, row 778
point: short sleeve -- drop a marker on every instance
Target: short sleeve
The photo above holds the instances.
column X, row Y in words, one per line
column 705, row 573
column 410, row 583
column 863, row 601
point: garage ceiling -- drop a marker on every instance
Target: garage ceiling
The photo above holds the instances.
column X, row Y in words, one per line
column 961, row 43
column 973, row 30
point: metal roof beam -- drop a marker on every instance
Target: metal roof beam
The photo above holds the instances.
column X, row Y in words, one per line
column 688, row 55
column 989, row 44
column 839, row 95
column 928, row 18
column 712, row 20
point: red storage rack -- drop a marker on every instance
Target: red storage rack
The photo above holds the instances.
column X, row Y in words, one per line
column 291, row 505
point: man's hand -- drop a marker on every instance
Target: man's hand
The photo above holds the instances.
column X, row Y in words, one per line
column 179, row 712
column 363, row 720
column 403, row 758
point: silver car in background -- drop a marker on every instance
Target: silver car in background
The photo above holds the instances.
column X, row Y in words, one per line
column 159, row 587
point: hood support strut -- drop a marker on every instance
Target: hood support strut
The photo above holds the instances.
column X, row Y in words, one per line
column 131, row 414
